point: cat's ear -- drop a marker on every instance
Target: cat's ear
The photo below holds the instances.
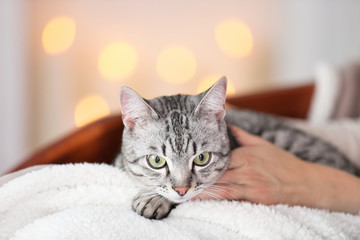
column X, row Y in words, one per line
column 134, row 109
column 212, row 103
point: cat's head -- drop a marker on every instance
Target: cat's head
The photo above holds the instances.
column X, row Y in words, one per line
column 175, row 145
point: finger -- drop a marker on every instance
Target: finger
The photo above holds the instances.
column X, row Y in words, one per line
column 245, row 138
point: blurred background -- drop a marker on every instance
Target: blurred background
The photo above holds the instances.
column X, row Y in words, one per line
column 62, row 63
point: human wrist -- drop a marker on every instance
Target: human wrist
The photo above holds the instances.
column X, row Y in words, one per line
column 306, row 188
column 332, row 189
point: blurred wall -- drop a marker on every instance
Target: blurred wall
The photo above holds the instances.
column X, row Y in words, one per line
column 44, row 93
column 14, row 107
column 314, row 31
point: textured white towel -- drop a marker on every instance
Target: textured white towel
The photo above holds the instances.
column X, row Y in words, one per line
column 86, row 201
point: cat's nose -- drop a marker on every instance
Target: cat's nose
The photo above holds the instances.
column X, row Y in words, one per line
column 181, row 190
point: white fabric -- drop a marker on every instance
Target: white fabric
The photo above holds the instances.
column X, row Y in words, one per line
column 327, row 82
column 88, row 201
column 6, row 178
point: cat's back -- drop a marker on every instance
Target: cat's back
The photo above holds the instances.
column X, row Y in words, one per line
column 254, row 122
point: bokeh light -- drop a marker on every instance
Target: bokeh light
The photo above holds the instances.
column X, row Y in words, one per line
column 117, row 61
column 234, row 38
column 210, row 80
column 58, row 35
column 90, row 108
column 176, row 64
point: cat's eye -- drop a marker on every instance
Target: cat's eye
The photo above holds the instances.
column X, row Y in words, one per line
column 155, row 161
column 202, row 159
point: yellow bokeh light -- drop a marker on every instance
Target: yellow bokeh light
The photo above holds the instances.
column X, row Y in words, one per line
column 208, row 81
column 176, row 64
column 234, row 38
column 58, row 35
column 117, row 61
column 89, row 109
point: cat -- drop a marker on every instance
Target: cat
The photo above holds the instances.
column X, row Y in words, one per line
column 177, row 146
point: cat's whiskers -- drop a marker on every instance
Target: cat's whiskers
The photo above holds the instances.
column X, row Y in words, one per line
column 223, row 190
column 212, row 191
column 219, row 186
column 227, row 183
column 213, row 195
column 219, row 189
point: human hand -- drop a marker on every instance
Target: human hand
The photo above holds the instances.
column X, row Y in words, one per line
column 260, row 172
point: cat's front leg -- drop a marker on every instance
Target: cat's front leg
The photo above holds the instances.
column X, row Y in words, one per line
column 152, row 206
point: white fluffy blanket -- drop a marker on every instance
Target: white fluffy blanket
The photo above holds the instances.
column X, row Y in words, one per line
column 86, row 201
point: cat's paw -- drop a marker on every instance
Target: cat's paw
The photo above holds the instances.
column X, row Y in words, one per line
column 153, row 207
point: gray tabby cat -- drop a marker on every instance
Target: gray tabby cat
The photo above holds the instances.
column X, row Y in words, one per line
column 177, row 146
